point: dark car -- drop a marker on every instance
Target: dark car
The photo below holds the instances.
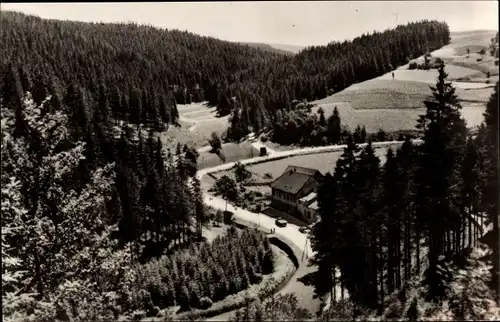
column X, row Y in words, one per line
column 281, row 222
column 303, row 230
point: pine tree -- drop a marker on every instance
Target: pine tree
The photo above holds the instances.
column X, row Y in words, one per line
column 334, row 127
column 444, row 131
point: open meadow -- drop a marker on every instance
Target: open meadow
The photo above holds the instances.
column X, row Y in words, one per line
column 230, row 152
column 197, row 122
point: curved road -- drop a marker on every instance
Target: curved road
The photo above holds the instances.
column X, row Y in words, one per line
column 291, row 231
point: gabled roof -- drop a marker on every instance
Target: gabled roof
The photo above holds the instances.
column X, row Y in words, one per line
column 294, row 178
column 290, row 182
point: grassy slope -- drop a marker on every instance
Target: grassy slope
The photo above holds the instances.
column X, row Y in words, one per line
column 197, row 124
column 232, row 152
column 391, row 105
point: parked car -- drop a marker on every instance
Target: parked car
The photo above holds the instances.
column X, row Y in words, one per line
column 280, row 222
column 303, row 230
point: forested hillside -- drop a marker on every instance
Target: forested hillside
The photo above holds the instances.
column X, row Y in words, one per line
column 144, row 71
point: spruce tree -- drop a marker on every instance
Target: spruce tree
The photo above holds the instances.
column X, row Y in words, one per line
column 437, row 182
column 334, row 127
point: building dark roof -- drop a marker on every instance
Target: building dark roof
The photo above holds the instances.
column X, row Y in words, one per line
column 294, row 178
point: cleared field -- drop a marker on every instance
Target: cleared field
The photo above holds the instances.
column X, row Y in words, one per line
column 323, row 162
column 391, row 120
column 429, row 76
column 197, row 124
column 231, row 151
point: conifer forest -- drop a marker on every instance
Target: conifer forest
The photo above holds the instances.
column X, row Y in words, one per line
column 102, row 221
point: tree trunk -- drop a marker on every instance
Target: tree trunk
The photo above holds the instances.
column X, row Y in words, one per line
column 405, row 250
column 341, row 285
column 470, row 227
column 448, row 243
column 334, row 284
column 390, row 267
column 381, row 269
column 398, row 258
column 38, row 276
column 417, row 237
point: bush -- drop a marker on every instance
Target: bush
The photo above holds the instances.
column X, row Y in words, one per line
column 412, row 65
column 263, row 138
column 215, row 142
column 258, row 194
column 250, row 196
column 488, row 74
column 219, row 216
column 205, row 303
column 268, row 176
column 154, row 311
column 479, row 59
column 257, row 278
column 496, row 62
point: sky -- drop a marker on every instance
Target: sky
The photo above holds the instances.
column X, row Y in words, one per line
column 293, row 23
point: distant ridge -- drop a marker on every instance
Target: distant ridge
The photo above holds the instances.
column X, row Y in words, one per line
column 276, row 48
column 292, row 48
column 270, row 48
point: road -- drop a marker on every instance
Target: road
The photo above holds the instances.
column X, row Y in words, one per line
column 291, row 231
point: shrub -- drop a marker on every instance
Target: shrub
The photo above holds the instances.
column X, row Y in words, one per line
column 412, row 65
column 263, row 138
column 219, row 216
column 250, row 196
column 488, row 74
column 496, row 62
column 154, row 311
column 205, row 303
column 227, row 188
column 268, row 176
column 215, row 142
column 258, row 194
column 479, row 59
column 257, row 278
